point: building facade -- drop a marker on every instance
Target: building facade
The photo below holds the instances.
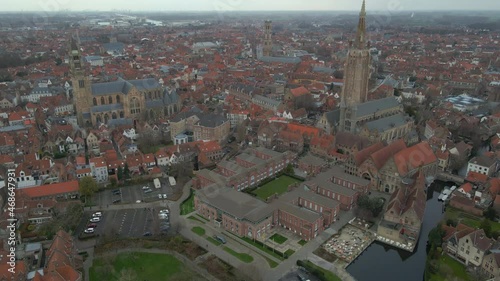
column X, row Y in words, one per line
column 122, row 100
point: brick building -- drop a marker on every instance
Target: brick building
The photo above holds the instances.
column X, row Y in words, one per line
column 248, row 169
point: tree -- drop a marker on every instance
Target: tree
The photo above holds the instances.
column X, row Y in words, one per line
column 436, row 236
column 289, row 169
column 490, row 213
column 486, row 226
column 126, row 171
column 119, row 173
column 88, row 187
column 305, row 101
column 113, row 181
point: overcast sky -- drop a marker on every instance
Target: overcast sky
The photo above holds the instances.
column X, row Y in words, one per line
column 246, row 5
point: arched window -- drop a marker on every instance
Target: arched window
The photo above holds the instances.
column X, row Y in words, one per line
column 106, row 118
column 135, row 107
column 122, row 114
column 102, row 101
column 110, row 99
column 149, row 95
column 95, row 101
column 117, row 98
column 113, row 116
column 98, row 119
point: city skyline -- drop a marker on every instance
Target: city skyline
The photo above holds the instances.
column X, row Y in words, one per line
column 254, row 5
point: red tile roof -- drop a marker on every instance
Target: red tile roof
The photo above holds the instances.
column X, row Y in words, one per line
column 51, row 189
column 413, row 157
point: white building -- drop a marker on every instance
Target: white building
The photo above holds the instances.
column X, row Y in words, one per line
column 482, row 164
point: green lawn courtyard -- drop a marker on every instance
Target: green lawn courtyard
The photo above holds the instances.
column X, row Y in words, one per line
column 279, row 186
column 278, row 238
column 139, row 266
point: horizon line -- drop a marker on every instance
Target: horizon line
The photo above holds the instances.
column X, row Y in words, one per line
column 235, row 11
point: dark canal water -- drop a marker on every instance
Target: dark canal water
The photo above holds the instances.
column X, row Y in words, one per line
column 380, row 262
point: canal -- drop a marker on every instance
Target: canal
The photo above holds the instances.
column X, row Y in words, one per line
column 386, row 263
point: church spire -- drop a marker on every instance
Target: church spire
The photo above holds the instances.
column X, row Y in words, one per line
column 361, row 33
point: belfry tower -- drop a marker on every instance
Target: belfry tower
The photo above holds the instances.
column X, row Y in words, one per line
column 268, row 41
column 81, row 84
column 356, row 76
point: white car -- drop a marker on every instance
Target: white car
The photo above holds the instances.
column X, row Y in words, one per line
column 145, row 187
column 159, row 196
column 89, row 230
column 164, row 211
column 138, row 201
column 97, row 214
column 164, row 196
column 95, row 219
column 163, row 216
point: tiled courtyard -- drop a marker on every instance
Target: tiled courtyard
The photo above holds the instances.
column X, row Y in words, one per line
column 348, row 243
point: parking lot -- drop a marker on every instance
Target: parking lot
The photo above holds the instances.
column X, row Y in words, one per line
column 130, row 223
column 131, row 194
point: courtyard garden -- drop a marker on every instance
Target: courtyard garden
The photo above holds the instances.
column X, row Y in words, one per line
column 277, row 186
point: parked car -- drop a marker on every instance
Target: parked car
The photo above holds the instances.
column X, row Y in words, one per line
column 165, row 211
column 148, row 190
column 89, row 230
column 116, row 201
column 220, row 238
column 95, row 219
column 163, row 216
column 91, row 225
column 117, row 192
column 159, row 196
column 145, row 187
column 302, row 278
column 164, row 196
column 97, row 214
column 147, row 234
column 138, row 201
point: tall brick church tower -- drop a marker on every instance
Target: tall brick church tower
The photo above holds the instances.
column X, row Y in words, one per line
column 81, row 84
column 356, row 76
column 268, row 41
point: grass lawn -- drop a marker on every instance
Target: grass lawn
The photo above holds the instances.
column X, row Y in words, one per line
column 198, row 230
column 278, row 238
column 329, row 276
column 302, row 242
column 246, row 258
column 289, row 252
column 450, row 269
column 152, row 267
column 188, row 205
column 272, row 264
column 195, row 219
column 213, row 241
column 467, row 219
column 279, row 185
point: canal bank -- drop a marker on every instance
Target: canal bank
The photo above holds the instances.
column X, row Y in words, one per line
column 383, row 262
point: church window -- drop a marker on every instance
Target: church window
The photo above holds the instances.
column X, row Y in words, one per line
column 117, row 98
column 95, row 101
column 110, row 99
column 135, row 106
column 81, row 83
column 102, row 101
